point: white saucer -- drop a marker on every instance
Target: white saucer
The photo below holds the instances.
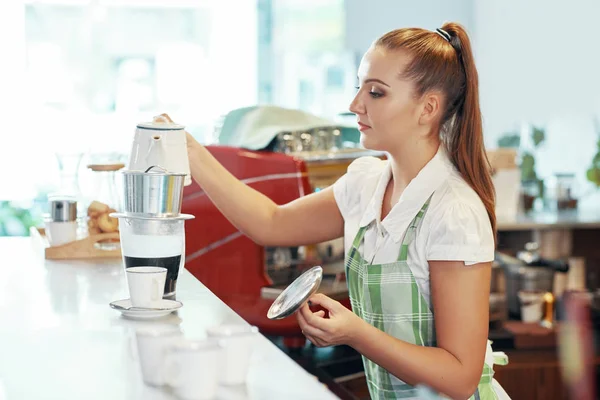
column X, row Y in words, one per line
column 166, row 307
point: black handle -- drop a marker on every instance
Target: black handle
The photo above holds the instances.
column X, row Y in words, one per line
column 556, row 265
column 561, row 266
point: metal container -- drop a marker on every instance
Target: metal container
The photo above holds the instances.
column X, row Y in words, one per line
column 63, row 210
column 528, row 273
column 153, row 193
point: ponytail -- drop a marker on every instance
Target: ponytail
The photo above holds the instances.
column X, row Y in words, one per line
column 464, row 142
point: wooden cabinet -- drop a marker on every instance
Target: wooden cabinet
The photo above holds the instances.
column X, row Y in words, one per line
column 533, row 375
column 530, row 382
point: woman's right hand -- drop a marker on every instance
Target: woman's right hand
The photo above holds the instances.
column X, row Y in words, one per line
column 162, row 119
column 192, row 143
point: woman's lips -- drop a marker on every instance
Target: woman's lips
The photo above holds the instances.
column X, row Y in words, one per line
column 363, row 127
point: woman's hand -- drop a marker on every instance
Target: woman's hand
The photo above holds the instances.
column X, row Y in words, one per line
column 342, row 326
column 190, row 140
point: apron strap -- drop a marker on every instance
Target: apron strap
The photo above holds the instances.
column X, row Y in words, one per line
column 359, row 236
column 410, row 233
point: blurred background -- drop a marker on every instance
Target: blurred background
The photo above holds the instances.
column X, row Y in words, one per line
column 76, row 76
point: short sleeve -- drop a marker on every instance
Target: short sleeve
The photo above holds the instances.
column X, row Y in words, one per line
column 347, row 189
column 461, row 232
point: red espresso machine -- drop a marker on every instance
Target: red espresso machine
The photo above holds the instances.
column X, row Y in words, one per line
column 245, row 275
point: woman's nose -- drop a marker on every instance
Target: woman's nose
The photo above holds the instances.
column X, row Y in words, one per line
column 356, row 106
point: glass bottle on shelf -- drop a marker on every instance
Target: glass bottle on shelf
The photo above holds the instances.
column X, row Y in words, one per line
column 68, row 167
column 104, row 200
column 105, row 184
column 530, row 190
column 562, row 188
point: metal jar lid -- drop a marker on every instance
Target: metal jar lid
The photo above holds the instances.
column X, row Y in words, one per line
column 296, row 294
column 63, row 210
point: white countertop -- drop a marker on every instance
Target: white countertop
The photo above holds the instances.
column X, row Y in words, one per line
column 59, row 339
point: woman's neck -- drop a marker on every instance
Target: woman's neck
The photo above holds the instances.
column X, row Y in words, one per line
column 407, row 163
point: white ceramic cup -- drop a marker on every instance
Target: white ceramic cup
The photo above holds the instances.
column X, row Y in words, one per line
column 239, row 343
column 152, row 346
column 60, row 232
column 146, row 285
column 531, row 306
column 190, row 368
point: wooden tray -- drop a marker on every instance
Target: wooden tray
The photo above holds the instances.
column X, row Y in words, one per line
column 80, row 249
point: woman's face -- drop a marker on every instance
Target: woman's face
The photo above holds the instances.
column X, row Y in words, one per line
column 386, row 108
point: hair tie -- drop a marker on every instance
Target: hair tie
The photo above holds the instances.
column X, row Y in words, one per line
column 443, row 34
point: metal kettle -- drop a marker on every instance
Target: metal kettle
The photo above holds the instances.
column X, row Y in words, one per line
column 528, row 272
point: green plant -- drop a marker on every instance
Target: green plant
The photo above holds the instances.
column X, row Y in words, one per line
column 593, row 172
column 16, row 220
column 538, row 135
column 510, row 139
column 528, row 167
column 528, row 172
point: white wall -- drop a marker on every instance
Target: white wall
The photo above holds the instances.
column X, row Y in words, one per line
column 539, row 62
column 367, row 20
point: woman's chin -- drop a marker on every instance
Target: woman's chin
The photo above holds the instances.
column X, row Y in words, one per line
column 369, row 143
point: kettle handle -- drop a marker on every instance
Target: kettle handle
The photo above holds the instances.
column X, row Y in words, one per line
column 156, row 166
column 558, row 265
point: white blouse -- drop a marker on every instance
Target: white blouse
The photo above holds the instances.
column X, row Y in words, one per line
column 455, row 227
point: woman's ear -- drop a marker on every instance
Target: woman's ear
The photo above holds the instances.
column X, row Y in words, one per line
column 431, row 108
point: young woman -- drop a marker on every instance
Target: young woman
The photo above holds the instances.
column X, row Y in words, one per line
column 419, row 228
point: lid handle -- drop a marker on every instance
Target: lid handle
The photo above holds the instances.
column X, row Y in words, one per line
column 156, row 166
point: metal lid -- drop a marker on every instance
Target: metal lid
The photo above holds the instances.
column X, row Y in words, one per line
column 296, row 294
column 160, row 126
column 153, row 170
column 63, row 210
column 531, row 253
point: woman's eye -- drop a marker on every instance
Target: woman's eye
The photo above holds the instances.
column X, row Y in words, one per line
column 373, row 93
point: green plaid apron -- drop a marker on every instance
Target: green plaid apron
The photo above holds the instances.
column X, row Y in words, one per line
column 388, row 297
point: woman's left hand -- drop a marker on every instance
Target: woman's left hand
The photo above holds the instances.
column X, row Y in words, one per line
column 341, row 327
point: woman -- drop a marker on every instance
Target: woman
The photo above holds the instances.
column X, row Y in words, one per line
column 419, row 227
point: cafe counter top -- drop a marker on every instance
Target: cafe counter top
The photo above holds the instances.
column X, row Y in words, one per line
column 545, row 220
column 59, row 339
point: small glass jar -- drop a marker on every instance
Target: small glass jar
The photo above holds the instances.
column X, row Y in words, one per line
column 105, row 199
column 530, row 190
column 105, row 184
column 562, row 192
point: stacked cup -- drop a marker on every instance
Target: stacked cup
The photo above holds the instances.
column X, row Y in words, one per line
column 152, row 230
column 195, row 368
